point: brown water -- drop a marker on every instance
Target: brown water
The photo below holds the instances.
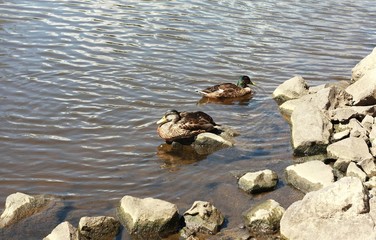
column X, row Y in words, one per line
column 83, row 83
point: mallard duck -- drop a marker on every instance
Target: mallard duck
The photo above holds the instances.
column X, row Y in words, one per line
column 183, row 127
column 229, row 90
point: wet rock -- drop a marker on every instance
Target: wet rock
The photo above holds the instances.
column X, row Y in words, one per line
column 207, row 143
column 98, row 228
column 259, row 181
column 63, row 231
column 148, row 218
column 19, row 206
column 232, row 234
column 366, row 64
column 202, row 217
column 328, row 213
column 264, row 218
column 352, row 148
column 363, row 91
column 309, row 176
column 354, row 171
column 311, row 130
column 290, row 89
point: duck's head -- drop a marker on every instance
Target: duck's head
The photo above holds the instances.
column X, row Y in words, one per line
column 244, row 81
column 170, row 115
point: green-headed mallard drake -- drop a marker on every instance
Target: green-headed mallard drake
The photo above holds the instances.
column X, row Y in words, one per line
column 229, row 90
column 183, row 127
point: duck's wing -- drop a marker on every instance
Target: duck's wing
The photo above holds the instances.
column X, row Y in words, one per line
column 220, row 88
column 196, row 121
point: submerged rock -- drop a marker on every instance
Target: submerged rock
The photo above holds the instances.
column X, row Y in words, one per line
column 328, row 213
column 264, row 218
column 259, row 181
column 148, row 218
column 19, row 206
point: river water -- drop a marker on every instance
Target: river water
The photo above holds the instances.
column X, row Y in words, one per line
column 83, row 83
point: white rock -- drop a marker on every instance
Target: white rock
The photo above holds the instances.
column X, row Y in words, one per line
column 309, row 176
column 291, row 89
column 148, row 217
column 354, row 171
column 353, row 149
column 63, row 231
column 264, row 218
column 311, row 130
column 363, row 91
column 328, row 213
column 366, row 64
column 259, row 181
column 19, row 206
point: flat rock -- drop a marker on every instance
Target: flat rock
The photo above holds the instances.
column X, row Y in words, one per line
column 328, row 213
column 311, row 130
column 366, row 64
column 259, row 181
column 148, row 218
column 309, row 176
column 264, row 218
column 291, row 89
column 63, row 231
column 19, row 206
column 98, row 228
column 207, row 143
column 343, row 114
column 352, row 148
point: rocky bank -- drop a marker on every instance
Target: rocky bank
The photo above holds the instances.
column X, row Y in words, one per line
column 333, row 126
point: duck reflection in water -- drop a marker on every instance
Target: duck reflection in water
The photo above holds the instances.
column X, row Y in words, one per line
column 175, row 155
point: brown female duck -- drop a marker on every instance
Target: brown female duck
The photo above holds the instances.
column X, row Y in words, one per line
column 229, row 90
column 183, row 127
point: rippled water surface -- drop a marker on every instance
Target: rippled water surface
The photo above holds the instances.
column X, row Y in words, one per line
column 83, row 83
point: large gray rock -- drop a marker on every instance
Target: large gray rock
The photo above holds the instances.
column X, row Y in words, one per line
column 259, row 181
column 363, row 91
column 291, row 89
column 311, row 130
column 325, row 99
column 352, row 149
column 19, row 206
column 343, row 114
column 148, row 218
column 366, row 64
column 202, row 217
column 264, row 218
column 63, row 231
column 328, row 213
column 98, row 228
column 309, row 176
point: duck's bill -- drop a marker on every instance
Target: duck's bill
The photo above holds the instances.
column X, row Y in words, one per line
column 162, row 120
